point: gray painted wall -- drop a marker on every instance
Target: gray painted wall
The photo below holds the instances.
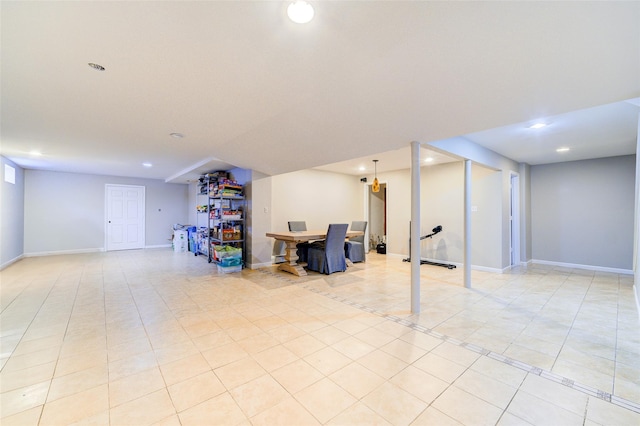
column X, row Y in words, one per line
column 525, row 212
column 582, row 212
column 11, row 215
column 636, row 259
column 65, row 212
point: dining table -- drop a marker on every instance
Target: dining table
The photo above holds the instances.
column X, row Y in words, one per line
column 292, row 239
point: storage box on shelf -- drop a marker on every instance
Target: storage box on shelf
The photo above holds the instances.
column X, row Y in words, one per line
column 224, row 217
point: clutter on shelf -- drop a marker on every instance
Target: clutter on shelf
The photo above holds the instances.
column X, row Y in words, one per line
column 223, row 220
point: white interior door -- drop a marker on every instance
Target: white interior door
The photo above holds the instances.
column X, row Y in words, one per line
column 124, row 217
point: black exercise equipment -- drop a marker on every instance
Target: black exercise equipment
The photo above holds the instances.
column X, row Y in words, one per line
column 434, row 231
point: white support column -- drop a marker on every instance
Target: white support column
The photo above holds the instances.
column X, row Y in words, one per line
column 415, row 227
column 467, row 223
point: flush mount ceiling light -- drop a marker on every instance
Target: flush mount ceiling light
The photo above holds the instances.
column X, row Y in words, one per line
column 97, row 67
column 538, row 126
column 376, row 185
column 563, row 150
column 147, row 164
column 300, row 12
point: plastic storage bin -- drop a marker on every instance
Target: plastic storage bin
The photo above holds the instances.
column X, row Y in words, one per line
column 191, row 231
column 180, row 241
column 229, row 269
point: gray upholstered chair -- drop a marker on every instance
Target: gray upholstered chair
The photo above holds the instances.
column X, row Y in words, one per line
column 329, row 258
column 302, row 248
column 354, row 248
column 297, row 225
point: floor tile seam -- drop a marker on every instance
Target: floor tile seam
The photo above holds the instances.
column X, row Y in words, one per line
column 572, row 384
column 33, row 318
column 18, row 296
column 564, row 342
column 147, row 335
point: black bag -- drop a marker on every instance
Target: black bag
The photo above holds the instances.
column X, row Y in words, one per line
column 381, row 248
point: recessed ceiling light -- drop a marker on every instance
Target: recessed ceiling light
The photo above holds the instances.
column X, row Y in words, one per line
column 147, row 164
column 300, row 12
column 563, row 150
column 362, row 168
column 97, row 67
column 35, row 153
column 428, row 160
column 176, row 135
column 538, row 126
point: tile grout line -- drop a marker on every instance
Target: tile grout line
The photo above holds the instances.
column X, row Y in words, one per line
column 596, row 393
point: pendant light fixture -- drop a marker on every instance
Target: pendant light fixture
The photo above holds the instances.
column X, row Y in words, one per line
column 376, row 185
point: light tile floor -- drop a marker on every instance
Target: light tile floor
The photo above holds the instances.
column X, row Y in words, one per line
column 156, row 337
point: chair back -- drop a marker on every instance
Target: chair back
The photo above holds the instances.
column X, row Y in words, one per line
column 329, row 257
column 360, row 225
column 299, row 225
column 336, row 235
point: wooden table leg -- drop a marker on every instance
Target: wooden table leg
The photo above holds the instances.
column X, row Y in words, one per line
column 291, row 260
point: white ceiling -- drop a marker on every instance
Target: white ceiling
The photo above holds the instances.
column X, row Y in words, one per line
column 248, row 88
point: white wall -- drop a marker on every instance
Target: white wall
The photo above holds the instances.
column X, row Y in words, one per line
column 442, row 198
column 321, row 198
column 65, row 212
column 463, row 148
column 11, row 215
column 582, row 212
column 317, row 197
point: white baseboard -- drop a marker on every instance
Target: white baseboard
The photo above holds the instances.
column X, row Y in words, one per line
column 56, row 253
column 456, row 264
column 488, row 269
column 260, row 265
column 158, row 246
column 586, row 267
column 11, row 262
column 637, row 295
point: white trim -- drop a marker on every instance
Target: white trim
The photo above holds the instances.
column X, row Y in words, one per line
column 587, row 267
column 456, row 264
column 473, row 267
column 10, row 262
column 487, row 269
column 58, row 252
column 158, row 246
column 261, row 265
column 635, row 293
column 366, row 195
column 367, row 213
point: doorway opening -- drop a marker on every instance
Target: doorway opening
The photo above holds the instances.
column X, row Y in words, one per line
column 376, row 214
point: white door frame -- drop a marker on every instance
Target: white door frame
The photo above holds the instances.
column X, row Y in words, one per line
column 514, row 219
column 107, row 219
column 367, row 198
